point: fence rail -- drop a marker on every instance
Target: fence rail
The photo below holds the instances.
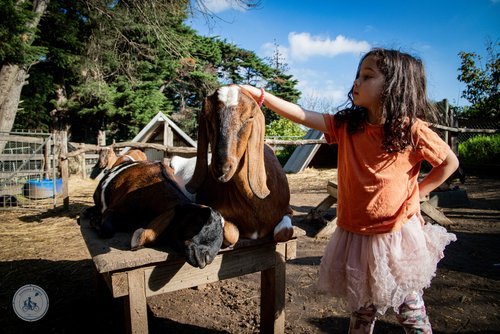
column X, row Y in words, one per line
column 26, row 159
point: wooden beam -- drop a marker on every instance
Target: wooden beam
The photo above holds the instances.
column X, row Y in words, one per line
column 137, row 305
column 435, row 214
column 272, row 295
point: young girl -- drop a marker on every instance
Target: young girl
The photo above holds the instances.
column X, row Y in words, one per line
column 382, row 254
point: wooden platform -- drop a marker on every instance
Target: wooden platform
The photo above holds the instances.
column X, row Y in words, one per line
column 136, row 275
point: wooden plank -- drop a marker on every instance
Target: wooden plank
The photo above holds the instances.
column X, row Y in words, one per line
column 291, row 251
column 24, row 173
column 137, row 305
column 272, row 295
column 328, row 229
column 435, row 214
column 326, row 203
column 179, row 275
column 114, row 254
column 332, row 189
column 20, row 157
column 23, row 139
column 160, row 277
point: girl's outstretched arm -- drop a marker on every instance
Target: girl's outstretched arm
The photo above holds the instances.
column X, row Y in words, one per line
column 293, row 112
column 438, row 174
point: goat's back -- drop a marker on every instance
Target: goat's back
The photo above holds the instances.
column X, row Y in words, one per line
column 138, row 188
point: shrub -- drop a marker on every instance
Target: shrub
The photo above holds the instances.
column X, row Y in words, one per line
column 284, row 129
column 480, row 150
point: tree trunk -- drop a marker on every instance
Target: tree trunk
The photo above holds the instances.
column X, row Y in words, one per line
column 13, row 78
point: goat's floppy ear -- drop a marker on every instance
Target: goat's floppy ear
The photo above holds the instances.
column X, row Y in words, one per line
column 255, row 155
column 201, row 168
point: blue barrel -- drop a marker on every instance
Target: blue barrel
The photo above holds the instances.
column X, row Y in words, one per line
column 39, row 189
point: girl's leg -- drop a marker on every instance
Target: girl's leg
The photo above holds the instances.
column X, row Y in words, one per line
column 363, row 320
column 412, row 315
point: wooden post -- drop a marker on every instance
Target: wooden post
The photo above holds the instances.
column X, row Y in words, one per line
column 101, row 138
column 62, row 141
column 136, row 305
column 46, row 160
column 168, row 140
column 272, row 295
column 84, row 166
column 446, row 107
column 454, row 135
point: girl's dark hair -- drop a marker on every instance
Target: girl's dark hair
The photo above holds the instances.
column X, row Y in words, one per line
column 404, row 98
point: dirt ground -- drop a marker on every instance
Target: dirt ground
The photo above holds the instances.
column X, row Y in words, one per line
column 46, row 249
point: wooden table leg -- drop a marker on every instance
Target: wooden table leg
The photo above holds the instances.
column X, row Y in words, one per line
column 272, row 295
column 135, row 304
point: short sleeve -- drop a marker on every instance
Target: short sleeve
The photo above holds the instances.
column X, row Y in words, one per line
column 430, row 146
column 330, row 135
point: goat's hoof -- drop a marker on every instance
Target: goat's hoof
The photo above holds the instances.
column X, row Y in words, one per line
column 138, row 238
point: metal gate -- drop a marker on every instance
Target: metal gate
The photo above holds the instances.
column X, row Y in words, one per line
column 28, row 171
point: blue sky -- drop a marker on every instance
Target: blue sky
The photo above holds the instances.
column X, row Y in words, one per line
column 322, row 41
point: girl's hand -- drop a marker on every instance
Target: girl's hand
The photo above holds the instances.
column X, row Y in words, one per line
column 254, row 91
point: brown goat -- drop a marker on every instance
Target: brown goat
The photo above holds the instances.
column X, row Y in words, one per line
column 108, row 159
column 144, row 197
column 244, row 181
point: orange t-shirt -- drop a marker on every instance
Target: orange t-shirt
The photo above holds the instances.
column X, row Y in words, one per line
column 378, row 191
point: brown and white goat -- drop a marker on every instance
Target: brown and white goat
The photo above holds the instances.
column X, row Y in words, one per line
column 108, row 159
column 244, row 181
column 144, row 197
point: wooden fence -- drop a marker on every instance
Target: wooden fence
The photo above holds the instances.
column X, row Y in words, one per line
column 52, row 159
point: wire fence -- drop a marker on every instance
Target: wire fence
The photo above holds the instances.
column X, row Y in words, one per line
column 28, row 171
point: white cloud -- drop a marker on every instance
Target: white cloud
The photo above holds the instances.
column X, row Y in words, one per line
column 218, row 6
column 304, row 46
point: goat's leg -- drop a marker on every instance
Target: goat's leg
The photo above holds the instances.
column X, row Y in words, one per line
column 231, row 234
column 284, row 230
column 143, row 236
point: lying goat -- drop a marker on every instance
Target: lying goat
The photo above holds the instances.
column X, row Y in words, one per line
column 244, row 181
column 108, row 159
column 143, row 196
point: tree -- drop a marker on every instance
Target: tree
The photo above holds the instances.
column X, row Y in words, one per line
column 47, row 98
column 19, row 23
column 112, row 65
column 482, row 82
column 280, row 83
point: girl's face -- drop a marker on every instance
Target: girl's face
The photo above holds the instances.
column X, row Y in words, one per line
column 368, row 88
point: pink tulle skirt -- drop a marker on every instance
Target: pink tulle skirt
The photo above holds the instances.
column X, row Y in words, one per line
column 382, row 269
